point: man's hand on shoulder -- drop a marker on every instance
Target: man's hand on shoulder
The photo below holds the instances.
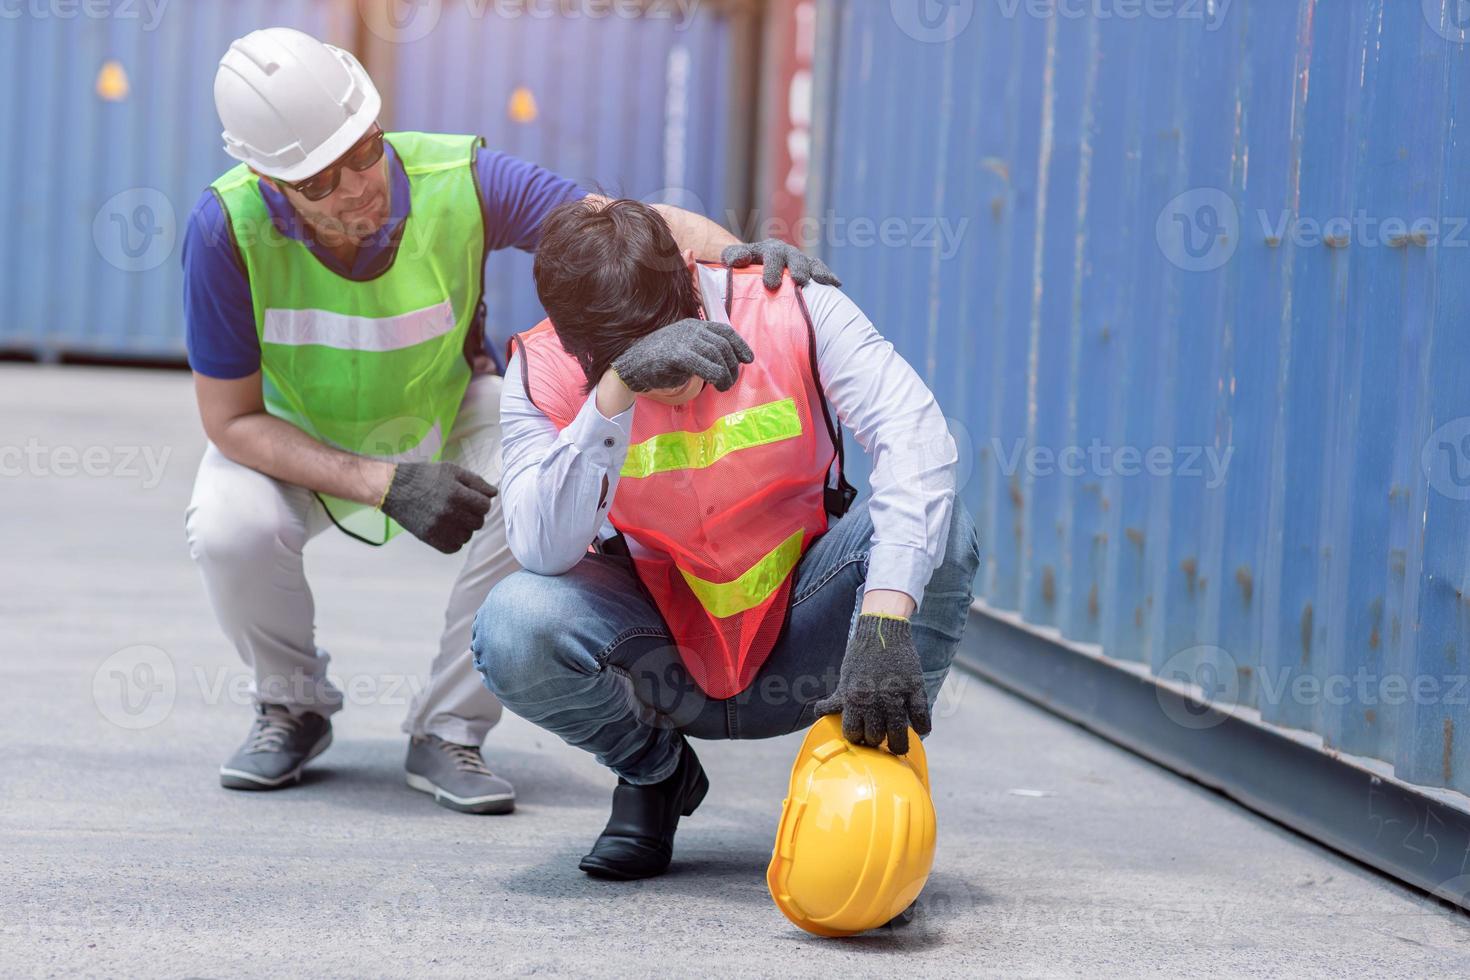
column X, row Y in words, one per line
column 776, row 256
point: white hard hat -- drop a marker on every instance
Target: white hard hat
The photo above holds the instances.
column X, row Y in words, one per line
column 291, row 104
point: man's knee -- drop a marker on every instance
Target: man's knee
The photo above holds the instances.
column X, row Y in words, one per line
column 946, row 605
column 518, row 641
column 223, row 536
column 962, row 549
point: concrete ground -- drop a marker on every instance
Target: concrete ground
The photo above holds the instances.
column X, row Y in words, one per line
column 1059, row 854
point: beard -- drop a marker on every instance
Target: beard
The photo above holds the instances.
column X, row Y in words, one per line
column 356, row 228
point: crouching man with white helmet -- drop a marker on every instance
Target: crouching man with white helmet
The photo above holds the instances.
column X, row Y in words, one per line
column 335, row 323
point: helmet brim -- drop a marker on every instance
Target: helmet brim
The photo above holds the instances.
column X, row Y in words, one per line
column 330, row 151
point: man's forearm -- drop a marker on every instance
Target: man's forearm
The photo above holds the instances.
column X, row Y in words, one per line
column 613, row 397
column 279, row 449
column 696, row 233
column 558, row 486
column 888, row 602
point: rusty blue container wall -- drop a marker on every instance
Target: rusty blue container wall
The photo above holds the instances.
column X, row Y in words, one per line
column 1325, row 574
column 635, row 107
column 72, row 151
column 1251, row 355
column 1430, row 749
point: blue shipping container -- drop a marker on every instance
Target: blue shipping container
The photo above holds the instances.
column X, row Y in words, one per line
column 1191, row 281
column 631, row 106
column 115, row 137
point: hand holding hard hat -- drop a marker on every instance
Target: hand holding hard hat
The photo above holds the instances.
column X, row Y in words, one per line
column 856, row 840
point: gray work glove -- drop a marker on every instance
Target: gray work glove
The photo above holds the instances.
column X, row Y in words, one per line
column 441, row 504
column 670, row 356
column 776, row 255
column 880, row 690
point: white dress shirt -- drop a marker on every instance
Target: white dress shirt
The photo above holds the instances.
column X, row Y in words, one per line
column 553, row 484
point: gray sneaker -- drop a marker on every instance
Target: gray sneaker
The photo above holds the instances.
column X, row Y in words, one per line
column 280, row 744
column 456, row 776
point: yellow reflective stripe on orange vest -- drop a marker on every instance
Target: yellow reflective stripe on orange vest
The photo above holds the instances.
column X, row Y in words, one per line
column 758, row 425
column 723, row 599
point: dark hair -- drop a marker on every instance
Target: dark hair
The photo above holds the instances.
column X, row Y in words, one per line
column 607, row 275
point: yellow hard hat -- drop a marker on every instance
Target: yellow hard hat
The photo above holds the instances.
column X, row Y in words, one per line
column 856, row 839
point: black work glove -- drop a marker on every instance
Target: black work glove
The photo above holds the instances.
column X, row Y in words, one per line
column 880, row 690
column 776, row 255
column 441, row 504
column 670, row 356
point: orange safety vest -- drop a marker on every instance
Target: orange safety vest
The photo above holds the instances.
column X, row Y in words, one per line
column 719, row 498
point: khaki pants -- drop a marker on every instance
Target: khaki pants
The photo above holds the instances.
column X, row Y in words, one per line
column 247, row 531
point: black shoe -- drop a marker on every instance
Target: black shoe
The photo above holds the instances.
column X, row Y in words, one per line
column 638, row 841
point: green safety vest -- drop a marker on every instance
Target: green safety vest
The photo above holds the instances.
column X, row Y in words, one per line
column 376, row 368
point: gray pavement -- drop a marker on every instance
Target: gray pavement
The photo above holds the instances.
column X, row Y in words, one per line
column 1059, row 854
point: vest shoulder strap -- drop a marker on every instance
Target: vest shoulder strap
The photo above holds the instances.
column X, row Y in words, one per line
column 238, row 195
column 552, row 378
column 745, row 283
column 424, row 153
column 233, row 178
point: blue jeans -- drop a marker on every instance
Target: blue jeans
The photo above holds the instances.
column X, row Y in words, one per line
column 587, row 656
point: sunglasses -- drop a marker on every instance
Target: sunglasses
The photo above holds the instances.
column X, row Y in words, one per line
column 364, row 153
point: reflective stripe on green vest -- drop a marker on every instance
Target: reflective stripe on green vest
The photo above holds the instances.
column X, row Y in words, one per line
column 376, row 368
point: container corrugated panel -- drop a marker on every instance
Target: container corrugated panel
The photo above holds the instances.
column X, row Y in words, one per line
column 1198, row 320
column 633, row 106
column 111, row 137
